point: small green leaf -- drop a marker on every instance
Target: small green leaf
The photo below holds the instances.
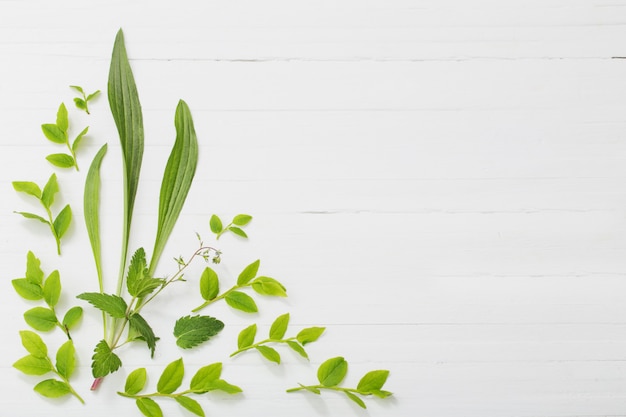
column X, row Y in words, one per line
column 249, row 272
column 33, row 343
column 221, row 385
column 62, row 221
column 190, row 404
column 205, row 376
column 355, row 399
column 372, row 381
column 27, row 187
column 72, row 317
column 215, row 224
column 246, row 337
column 49, row 191
column 32, row 365
column 269, row 353
column 113, row 305
column 62, row 120
column 135, row 381
column 93, row 95
column 61, row 160
column 149, row 407
column 269, row 286
column 77, row 88
column 310, row 334
column 209, row 284
column 52, row 288
column 279, row 327
column 172, row 377
column 41, row 318
column 80, row 103
column 104, row 360
column 242, row 219
column 27, row 289
column 298, row 348
column 142, row 327
column 241, row 301
column 32, row 216
column 238, row 231
column 33, row 269
column 332, row 371
column 191, row 331
column 79, row 139
column 52, row 388
column 54, row 133
column 66, row 359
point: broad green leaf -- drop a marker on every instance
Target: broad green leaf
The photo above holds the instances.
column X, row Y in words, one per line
column 172, row 377
column 52, row 288
column 135, row 381
column 141, row 326
column 221, row 385
column 33, row 343
column 238, row 231
column 27, row 187
column 34, row 272
column 33, row 365
column 372, row 381
column 91, row 206
column 215, row 223
column 209, row 284
column 104, row 361
column 41, row 318
column 242, row 219
column 32, row 216
column 62, row 221
column 66, row 359
column 190, row 331
column 113, row 305
column 54, row 133
column 248, row 273
column 205, row 376
column 61, row 160
column 27, row 289
column 52, row 388
column 269, row 286
column 191, row 405
column 332, row 371
column 298, row 348
column 62, row 120
column 241, row 301
column 279, row 327
column 355, row 399
column 49, row 191
column 149, row 407
column 269, row 353
column 77, row 88
column 310, row 334
column 246, row 337
column 80, row 103
column 177, row 179
column 79, row 139
column 72, row 317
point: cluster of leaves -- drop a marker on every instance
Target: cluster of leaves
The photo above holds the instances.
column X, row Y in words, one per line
column 58, row 133
column 333, row 371
column 235, row 226
column 245, row 340
column 59, row 224
column 82, row 102
column 34, row 287
column 210, row 288
column 206, row 379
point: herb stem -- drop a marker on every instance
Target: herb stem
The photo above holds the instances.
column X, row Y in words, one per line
column 52, row 229
column 67, row 382
column 219, row 297
column 262, row 342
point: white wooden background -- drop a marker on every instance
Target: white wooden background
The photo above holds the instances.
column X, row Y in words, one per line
column 441, row 183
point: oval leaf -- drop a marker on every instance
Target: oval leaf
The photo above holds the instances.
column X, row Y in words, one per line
column 62, row 120
column 27, row 289
column 355, row 399
column 332, row 371
column 33, row 269
column 53, row 133
column 238, row 231
column 41, row 318
column 203, row 379
column 279, row 327
column 269, row 353
column 215, row 224
column 66, row 359
column 249, row 272
column 242, row 219
column 63, row 220
column 269, row 286
column 52, row 388
column 209, row 284
column 52, row 288
column 191, row 405
column 61, row 160
column 49, row 191
column 72, row 317
column 241, row 301
column 32, row 365
column 246, row 337
column 33, row 343
column 372, row 381
column 27, row 187
column 172, row 377
column 149, row 407
column 298, row 348
column 135, row 381
column 310, row 334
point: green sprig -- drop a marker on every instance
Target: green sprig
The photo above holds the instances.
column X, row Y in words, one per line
column 235, row 226
column 82, row 102
column 58, row 133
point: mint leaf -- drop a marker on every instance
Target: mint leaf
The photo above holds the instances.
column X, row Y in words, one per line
column 269, row 286
column 104, row 360
column 310, row 334
column 248, row 273
column 113, row 305
column 135, row 381
column 27, row 289
column 33, row 343
column 246, row 337
column 66, row 359
column 52, row 288
column 172, row 377
column 191, row 331
column 53, row 388
column 191, row 405
column 209, row 284
column 149, row 407
column 241, row 301
column 203, row 379
column 279, row 327
column 141, row 326
column 33, row 365
column 41, row 318
column 269, row 353
column 332, row 371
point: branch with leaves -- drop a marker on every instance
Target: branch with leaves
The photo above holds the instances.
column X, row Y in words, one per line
column 235, row 226
column 82, row 102
column 58, row 133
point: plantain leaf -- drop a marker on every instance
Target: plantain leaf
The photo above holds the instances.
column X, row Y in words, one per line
column 91, row 204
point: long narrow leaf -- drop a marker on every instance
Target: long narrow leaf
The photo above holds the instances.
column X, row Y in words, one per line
column 92, row 210
column 177, row 179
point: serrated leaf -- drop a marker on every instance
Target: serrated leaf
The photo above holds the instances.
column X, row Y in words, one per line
column 279, row 327
column 72, row 317
column 52, row 388
column 298, row 348
column 310, row 334
column 242, row 219
column 135, row 381
column 33, row 343
column 246, row 337
column 66, row 359
column 332, row 371
column 32, row 365
column 62, row 221
column 62, row 120
column 141, row 326
column 221, row 385
column 138, row 281
column 209, row 284
column 27, row 289
column 113, row 305
column 205, row 376
column 248, row 273
column 356, row 399
column 34, row 272
column 54, row 133
column 61, row 160
column 372, row 381
column 52, row 288
column 190, row 331
column 79, row 139
column 41, row 318
column 269, row 286
column 238, row 231
column 172, row 377
column 49, row 191
column 241, row 301
column 190, row 404
column 32, row 216
column 27, row 187
column 269, row 353
column 104, row 361
column 149, row 407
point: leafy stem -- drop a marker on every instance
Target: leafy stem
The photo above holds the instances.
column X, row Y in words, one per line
column 262, row 342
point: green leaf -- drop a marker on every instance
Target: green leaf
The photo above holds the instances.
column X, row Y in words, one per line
column 32, row 216
column 310, row 334
column 91, row 205
column 142, row 327
column 332, row 371
column 138, row 281
column 77, row 88
column 104, row 361
column 205, row 376
column 34, row 272
column 41, row 318
column 242, row 219
column 209, row 284
column 72, row 317
column 238, row 231
column 298, row 348
column 191, row 331
column 190, row 404
column 135, row 381
column 27, row 187
column 62, row 120
column 33, row 343
column 355, row 399
column 113, row 305
column 49, row 191
column 221, row 385
column 149, row 407
column 80, row 103
column 372, row 381
column 79, row 138
column 66, row 359
column 61, row 160
column 246, row 337
column 279, row 327
column 269, row 353
column 27, row 289
column 62, row 221
column 269, row 286
column 241, row 301
column 93, row 95
column 33, row 365
column 248, row 273
column 215, row 224
column 172, row 377
column 54, row 133
column 53, row 388
column 380, row 393
column 311, row 389
column 52, row 288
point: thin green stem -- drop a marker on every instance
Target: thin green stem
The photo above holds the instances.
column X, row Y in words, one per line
column 73, row 154
column 54, row 232
column 72, row 390
column 224, row 230
column 262, row 342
